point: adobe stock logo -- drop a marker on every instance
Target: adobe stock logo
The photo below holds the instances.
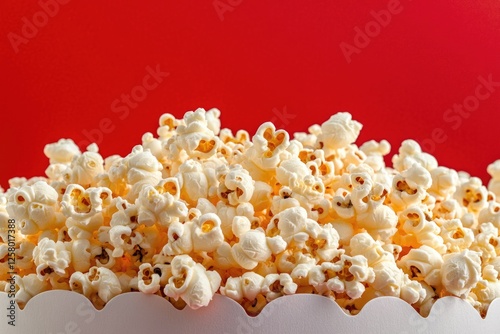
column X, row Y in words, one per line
column 86, row 313
column 372, row 29
column 124, row 104
column 283, row 116
column 31, row 27
column 223, row 6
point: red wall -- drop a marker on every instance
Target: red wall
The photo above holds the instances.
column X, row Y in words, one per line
column 402, row 68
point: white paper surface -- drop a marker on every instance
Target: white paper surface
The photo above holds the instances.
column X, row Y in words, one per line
column 56, row 312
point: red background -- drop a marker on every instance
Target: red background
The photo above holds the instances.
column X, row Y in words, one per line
column 250, row 59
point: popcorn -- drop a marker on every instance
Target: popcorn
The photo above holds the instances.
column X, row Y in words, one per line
column 51, row 257
column 160, row 204
column 410, row 187
column 241, row 137
column 168, row 125
column 134, row 171
column 261, row 196
column 198, row 211
column 411, row 153
column 105, row 283
column 487, row 289
column 81, row 253
column 317, row 163
column 104, row 258
column 424, row 305
column 4, row 265
column 61, row 152
column 149, row 142
column 179, row 239
column 34, row 207
column 426, row 232
column 363, row 244
column 338, row 132
column 276, row 285
column 125, row 214
column 85, row 168
column 320, row 210
column 123, row 239
column 375, row 152
column 344, row 229
column 460, row 272
column 283, row 201
column 191, row 282
column 207, row 233
column 193, row 181
column 347, row 275
column 296, row 175
column 247, row 286
column 423, row 264
column 487, row 242
column 490, row 214
column 236, row 185
column 342, row 204
column 377, row 219
column 324, row 244
column 449, row 209
column 196, row 137
column 82, row 204
column 80, row 283
column 265, row 152
column 148, row 280
column 472, row 194
column 213, row 121
column 254, row 247
column 444, row 182
column 494, row 184
column 290, row 224
column 390, row 280
column 411, row 291
column 300, row 275
column 456, row 237
column 27, row 287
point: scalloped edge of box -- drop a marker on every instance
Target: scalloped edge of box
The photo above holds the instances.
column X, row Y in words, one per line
column 60, row 311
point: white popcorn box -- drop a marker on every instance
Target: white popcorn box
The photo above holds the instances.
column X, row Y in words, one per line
column 67, row 312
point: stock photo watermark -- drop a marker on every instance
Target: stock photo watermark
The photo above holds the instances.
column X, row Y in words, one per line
column 86, row 313
column 455, row 116
column 31, row 25
column 373, row 28
column 11, row 263
column 122, row 106
column 223, row 6
column 248, row 325
column 421, row 324
column 283, row 117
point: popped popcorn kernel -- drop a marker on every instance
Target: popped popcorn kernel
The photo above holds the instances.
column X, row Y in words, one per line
column 27, row 287
column 460, row 272
column 148, row 279
column 338, row 132
column 191, row 282
column 61, row 152
column 34, row 207
column 494, row 184
column 51, row 258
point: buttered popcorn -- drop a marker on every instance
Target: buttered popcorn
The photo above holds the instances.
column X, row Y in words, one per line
column 198, row 211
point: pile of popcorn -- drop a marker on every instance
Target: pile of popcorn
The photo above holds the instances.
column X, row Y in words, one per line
column 199, row 210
